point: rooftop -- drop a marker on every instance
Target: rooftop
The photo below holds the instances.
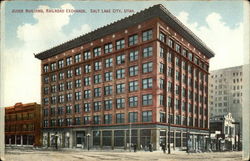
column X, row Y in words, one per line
column 152, row 12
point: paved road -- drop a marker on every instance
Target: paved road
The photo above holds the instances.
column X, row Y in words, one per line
column 78, row 155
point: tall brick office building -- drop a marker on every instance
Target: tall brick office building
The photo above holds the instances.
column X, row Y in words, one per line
column 124, row 83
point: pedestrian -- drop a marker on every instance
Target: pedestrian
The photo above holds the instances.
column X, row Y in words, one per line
column 150, row 147
column 163, row 148
column 135, row 147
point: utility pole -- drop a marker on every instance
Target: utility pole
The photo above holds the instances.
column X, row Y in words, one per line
column 130, row 137
column 169, row 151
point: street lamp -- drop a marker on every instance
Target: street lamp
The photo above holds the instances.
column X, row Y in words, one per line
column 88, row 135
column 169, row 151
column 237, row 123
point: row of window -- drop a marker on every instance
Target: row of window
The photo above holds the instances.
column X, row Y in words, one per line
column 108, row 48
column 177, row 47
column 19, row 116
column 19, row 127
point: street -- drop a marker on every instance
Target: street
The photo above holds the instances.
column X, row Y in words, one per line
column 82, row 155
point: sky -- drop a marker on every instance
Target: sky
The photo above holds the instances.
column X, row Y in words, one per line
column 219, row 24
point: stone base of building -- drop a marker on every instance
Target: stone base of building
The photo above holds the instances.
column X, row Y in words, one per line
column 125, row 137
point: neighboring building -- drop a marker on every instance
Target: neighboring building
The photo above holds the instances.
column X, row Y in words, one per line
column 124, row 82
column 227, row 134
column 23, row 125
column 225, row 92
column 2, row 133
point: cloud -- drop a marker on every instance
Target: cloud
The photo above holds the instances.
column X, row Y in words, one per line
column 21, row 76
column 225, row 41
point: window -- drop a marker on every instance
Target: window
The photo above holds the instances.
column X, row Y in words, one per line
column 162, row 52
column 60, row 122
column 69, row 61
column 120, row 118
column 190, row 56
column 162, row 67
column 77, row 58
column 177, row 48
column 177, row 61
column 98, row 65
column 97, row 106
column 53, row 89
column 61, row 75
column 61, row 98
column 162, row 117
column 120, row 73
column 77, row 108
column 87, row 94
column 120, row 44
column 108, row 119
column 133, row 117
column 147, row 83
column 108, row 76
column 60, row 110
column 161, row 100
column 108, row 48
column 53, row 78
column 147, row 99
column 46, row 79
column 170, row 101
column 107, row 90
column 184, row 52
column 133, row 101
column 96, row 119
column 177, row 103
column 60, row 63
column 46, row 90
column 69, row 85
column 78, row 71
column 78, row 96
column 87, row 107
column 87, row 68
column 68, row 109
column 108, row 104
column 161, row 83
column 120, row 59
column 170, row 43
column 97, row 51
column 133, row 71
column 87, row 55
column 97, row 78
column 45, row 112
column 177, row 75
column 133, row 55
column 146, row 116
column 120, row 102
column 69, row 96
column 97, row 92
column 108, row 62
column 147, row 35
column 53, row 66
column 148, row 51
column 132, row 40
column 133, row 86
column 170, row 86
column 162, row 37
column 77, row 121
column 147, row 67
column 169, row 57
column 69, row 73
column 78, row 83
column 45, row 123
column 68, row 121
column 120, row 88
column 46, row 68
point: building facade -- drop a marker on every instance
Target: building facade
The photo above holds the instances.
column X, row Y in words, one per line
column 225, row 92
column 226, row 138
column 2, row 147
column 23, row 125
column 140, row 80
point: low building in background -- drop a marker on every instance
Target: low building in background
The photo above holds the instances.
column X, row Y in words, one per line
column 2, row 132
column 223, row 134
column 22, row 125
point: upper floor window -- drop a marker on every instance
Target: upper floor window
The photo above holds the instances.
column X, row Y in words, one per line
column 146, row 116
column 133, row 117
column 87, row 68
column 133, row 55
column 78, row 71
column 120, row 118
column 108, row 62
column 120, row 102
column 97, row 51
column 46, row 68
column 60, row 63
column 53, row 66
column 133, row 101
column 77, row 58
column 133, row 71
column 120, row 44
column 148, row 51
column 108, row 48
column 170, row 43
column 69, row 61
column 108, row 119
column 132, row 40
column 120, row 59
column 177, row 48
column 147, row 99
column 120, row 88
column 162, row 37
column 98, row 65
column 108, row 76
column 147, row 83
column 120, row 73
column 147, row 35
column 147, row 67
column 87, row 55
column 190, row 56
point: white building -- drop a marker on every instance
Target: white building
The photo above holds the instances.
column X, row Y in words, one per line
column 225, row 92
column 2, row 133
